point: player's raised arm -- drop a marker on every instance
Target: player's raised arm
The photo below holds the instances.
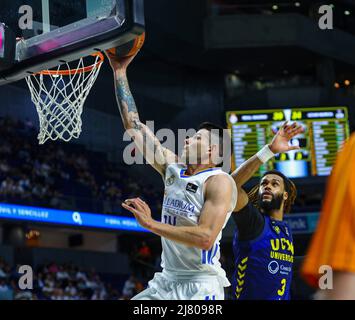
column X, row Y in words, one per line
column 218, row 199
column 246, row 171
column 145, row 140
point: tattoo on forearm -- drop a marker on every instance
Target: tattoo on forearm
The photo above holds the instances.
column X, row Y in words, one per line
column 137, row 124
column 150, row 145
column 124, row 94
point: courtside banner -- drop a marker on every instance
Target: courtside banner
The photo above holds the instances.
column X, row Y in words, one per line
column 299, row 223
column 70, row 218
column 302, row 223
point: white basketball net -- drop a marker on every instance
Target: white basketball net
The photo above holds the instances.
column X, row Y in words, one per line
column 59, row 99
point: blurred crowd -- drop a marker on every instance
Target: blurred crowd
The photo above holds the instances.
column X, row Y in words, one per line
column 55, row 282
column 68, row 282
column 63, row 176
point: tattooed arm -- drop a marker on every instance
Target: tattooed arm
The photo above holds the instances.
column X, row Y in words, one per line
column 147, row 143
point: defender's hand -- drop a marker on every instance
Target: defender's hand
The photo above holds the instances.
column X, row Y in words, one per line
column 140, row 210
column 280, row 143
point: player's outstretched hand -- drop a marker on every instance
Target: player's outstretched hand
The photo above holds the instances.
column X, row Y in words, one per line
column 140, row 210
column 280, row 143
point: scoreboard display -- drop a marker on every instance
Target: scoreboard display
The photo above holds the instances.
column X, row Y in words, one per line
column 325, row 130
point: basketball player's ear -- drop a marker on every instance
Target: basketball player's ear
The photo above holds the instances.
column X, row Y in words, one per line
column 211, row 152
column 285, row 195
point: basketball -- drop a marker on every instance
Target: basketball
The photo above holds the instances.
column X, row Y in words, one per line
column 130, row 48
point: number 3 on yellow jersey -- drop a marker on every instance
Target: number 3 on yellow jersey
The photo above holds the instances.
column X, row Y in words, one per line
column 281, row 291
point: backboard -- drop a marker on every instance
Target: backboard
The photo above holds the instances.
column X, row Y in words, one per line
column 52, row 32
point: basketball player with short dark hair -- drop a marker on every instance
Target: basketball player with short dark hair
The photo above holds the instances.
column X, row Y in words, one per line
column 199, row 199
column 263, row 245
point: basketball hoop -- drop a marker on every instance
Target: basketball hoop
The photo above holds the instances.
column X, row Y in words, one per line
column 59, row 96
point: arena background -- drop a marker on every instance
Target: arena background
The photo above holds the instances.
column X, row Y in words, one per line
column 201, row 59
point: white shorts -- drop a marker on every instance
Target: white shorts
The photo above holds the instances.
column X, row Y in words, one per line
column 163, row 288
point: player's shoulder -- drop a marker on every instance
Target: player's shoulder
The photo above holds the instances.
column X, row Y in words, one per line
column 220, row 180
column 219, row 176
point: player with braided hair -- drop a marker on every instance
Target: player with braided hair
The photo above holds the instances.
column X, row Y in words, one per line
column 290, row 188
column 263, row 245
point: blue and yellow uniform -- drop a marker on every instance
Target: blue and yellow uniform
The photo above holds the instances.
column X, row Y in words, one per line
column 263, row 250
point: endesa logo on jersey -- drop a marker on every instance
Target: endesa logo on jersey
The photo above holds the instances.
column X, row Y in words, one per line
column 191, row 187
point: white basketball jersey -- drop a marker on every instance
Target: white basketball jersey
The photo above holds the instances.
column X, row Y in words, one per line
column 183, row 202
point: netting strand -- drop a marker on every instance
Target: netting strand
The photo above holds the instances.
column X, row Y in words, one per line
column 59, row 100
